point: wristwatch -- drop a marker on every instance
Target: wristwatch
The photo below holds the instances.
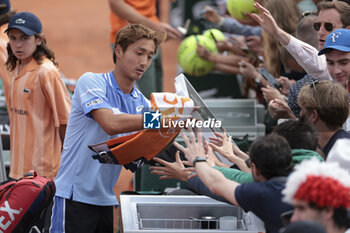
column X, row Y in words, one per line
column 199, row 159
column 257, row 79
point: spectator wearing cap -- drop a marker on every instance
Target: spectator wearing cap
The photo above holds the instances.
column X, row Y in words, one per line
column 320, row 192
column 331, row 16
column 39, row 103
column 337, row 51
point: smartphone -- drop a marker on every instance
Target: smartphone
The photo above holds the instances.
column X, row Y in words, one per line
column 269, row 77
column 184, row 29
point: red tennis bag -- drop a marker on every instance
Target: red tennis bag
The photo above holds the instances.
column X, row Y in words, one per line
column 22, row 202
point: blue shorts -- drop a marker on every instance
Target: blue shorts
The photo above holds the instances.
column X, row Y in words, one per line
column 70, row 216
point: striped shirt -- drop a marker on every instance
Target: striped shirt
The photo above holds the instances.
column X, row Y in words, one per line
column 307, row 57
column 38, row 104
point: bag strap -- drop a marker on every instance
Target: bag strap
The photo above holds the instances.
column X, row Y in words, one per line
column 30, row 174
column 6, row 186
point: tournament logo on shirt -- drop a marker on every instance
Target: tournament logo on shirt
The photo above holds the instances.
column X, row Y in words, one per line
column 151, row 120
column 94, row 102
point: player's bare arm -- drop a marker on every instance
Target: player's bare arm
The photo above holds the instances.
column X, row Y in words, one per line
column 115, row 124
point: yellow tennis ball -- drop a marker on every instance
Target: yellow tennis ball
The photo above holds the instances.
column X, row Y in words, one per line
column 214, row 34
column 188, row 59
column 237, row 8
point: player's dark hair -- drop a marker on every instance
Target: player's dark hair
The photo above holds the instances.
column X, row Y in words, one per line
column 272, row 156
column 134, row 32
column 41, row 51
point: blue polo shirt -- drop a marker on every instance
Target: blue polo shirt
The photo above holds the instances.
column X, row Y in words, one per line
column 79, row 175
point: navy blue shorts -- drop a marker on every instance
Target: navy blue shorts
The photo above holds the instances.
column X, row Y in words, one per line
column 70, row 216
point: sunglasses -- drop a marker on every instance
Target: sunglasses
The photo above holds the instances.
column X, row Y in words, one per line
column 313, row 85
column 328, row 26
column 307, row 13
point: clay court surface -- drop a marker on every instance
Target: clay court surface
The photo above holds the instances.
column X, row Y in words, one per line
column 78, row 31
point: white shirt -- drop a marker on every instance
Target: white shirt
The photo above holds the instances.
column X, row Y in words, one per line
column 346, row 126
column 307, row 57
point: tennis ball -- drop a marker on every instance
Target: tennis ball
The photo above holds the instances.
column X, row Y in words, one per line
column 214, row 33
column 188, row 59
column 237, row 8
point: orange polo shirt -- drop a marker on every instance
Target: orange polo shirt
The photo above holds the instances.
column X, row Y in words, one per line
column 147, row 8
column 38, row 104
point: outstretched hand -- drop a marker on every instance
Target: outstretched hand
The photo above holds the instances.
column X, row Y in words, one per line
column 203, row 52
column 247, row 70
column 225, row 149
column 279, row 109
column 255, row 43
column 223, row 145
column 211, row 15
column 286, row 84
column 193, row 147
column 265, row 20
column 171, row 32
column 270, row 93
column 175, row 170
